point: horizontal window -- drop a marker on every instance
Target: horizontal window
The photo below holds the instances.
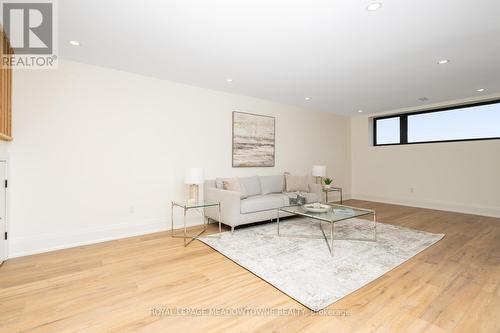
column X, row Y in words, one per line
column 470, row 122
column 388, row 131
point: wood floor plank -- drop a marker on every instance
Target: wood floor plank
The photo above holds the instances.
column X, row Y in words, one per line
column 454, row 286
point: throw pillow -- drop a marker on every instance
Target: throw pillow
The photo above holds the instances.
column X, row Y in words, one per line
column 235, row 185
column 219, row 182
column 297, row 183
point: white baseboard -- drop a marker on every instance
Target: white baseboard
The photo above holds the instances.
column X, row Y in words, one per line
column 447, row 206
column 24, row 246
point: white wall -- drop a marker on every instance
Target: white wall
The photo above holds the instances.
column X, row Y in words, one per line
column 455, row 176
column 99, row 154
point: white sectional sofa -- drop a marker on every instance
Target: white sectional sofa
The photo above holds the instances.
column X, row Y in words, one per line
column 264, row 195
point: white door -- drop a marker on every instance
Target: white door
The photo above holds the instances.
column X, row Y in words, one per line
column 3, row 197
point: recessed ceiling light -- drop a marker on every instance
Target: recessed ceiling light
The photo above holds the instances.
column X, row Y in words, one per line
column 74, row 42
column 229, row 80
column 360, row 111
column 374, row 6
column 481, row 90
column 307, row 98
column 444, row 61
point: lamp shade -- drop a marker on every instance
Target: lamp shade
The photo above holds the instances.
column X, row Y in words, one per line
column 319, row 170
column 194, row 176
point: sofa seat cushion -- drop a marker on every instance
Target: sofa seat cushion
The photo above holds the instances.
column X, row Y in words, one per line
column 263, row 202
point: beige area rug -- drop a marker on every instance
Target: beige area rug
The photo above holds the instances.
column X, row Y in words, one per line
column 303, row 268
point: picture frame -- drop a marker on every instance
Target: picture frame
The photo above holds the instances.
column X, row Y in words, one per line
column 253, row 140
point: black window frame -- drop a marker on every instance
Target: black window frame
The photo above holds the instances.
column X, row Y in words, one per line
column 403, row 124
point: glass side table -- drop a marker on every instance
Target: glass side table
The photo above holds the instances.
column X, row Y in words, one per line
column 332, row 189
column 189, row 206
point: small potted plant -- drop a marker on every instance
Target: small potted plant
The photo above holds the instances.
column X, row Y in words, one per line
column 328, row 182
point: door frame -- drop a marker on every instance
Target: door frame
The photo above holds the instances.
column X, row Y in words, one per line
column 5, row 160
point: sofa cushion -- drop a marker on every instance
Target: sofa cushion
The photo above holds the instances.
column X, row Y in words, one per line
column 235, row 185
column 252, row 185
column 219, row 182
column 263, row 202
column 297, row 183
column 272, row 184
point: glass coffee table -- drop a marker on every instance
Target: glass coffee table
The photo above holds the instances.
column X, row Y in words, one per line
column 335, row 213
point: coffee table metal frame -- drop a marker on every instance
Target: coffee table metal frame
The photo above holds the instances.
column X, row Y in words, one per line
column 331, row 218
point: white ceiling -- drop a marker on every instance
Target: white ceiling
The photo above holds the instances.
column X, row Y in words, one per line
column 342, row 56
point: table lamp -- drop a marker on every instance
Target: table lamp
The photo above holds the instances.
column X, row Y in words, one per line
column 194, row 177
column 319, row 171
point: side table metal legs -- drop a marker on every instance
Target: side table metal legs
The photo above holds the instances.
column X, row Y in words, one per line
column 189, row 238
column 334, row 190
column 278, row 221
column 220, row 224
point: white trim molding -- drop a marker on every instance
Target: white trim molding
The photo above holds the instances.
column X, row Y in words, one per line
column 437, row 205
column 24, row 246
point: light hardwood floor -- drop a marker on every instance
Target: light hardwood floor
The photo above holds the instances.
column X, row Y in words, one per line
column 113, row 286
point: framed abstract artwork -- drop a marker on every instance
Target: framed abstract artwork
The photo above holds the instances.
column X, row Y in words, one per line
column 253, row 140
